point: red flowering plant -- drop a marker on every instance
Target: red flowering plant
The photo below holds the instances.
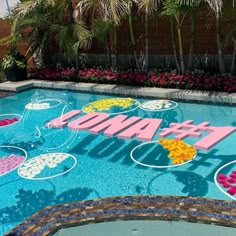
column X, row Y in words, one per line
column 152, row 79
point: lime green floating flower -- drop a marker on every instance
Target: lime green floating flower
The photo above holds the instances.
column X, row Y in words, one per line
column 107, row 104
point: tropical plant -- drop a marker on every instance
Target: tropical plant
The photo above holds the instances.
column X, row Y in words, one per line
column 216, row 5
column 231, row 33
column 148, row 7
column 219, row 43
column 104, row 11
column 41, row 23
column 100, row 30
column 175, row 11
column 13, row 60
column 131, row 33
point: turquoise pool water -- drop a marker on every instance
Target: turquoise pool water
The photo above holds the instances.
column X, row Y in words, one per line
column 81, row 165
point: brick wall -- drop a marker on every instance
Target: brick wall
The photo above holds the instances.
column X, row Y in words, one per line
column 5, row 31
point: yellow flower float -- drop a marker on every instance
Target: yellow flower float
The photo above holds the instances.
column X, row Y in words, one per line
column 109, row 103
column 180, row 151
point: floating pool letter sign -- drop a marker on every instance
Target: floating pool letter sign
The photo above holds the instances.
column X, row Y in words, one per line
column 143, row 128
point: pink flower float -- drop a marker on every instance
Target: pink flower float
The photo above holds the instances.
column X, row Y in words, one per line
column 228, row 182
column 9, row 163
column 7, row 121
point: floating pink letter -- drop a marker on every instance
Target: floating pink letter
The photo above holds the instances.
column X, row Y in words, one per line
column 88, row 121
column 61, row 121
column 114, row 125
column 216, row 135
column 144, row 129
column 186, row 129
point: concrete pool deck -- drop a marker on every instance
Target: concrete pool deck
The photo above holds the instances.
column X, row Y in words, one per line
column 176, row 94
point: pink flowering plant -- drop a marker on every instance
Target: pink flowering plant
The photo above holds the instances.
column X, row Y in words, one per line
column 192, row 81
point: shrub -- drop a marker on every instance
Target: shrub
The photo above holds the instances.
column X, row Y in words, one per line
column 192, row 81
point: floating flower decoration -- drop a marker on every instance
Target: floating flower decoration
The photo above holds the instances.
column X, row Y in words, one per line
column 158, row 105
column 36, row 165
column 7, row 121
column 8, row 163
column 107, row 104
column 228, row 182
column 180, row 151
column 37, row 106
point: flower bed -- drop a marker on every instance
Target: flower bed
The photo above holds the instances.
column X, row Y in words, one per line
column 152, row 79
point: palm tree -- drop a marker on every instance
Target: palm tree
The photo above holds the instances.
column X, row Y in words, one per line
column 131, row 32
column 219, row 43
column 177, row 12
column 104, row 11
column 216, row 5
column 231, row 33
column 47, row 21
column 194, row 8
column 8, row 7
column 148, row 7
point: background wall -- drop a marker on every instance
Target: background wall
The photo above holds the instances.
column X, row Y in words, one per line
column 159, row 40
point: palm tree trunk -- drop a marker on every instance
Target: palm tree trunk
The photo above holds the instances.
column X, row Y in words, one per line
column 108, row 46
column 219, row 45
column 233, row 64
column 173, row 44
column 146, row 62
column 8, row 7
column 77, row 61
column 192, row 42
column 70, row 11
column 132, row 39
column 115, row 48
column 181, row 52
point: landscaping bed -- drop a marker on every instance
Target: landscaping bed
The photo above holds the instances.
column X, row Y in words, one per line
column 193, row 81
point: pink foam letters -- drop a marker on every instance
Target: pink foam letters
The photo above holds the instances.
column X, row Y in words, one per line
column 216, row 135
column 88, row 121
column 144, row 129
column 186, row 129
column 114, row 125
column 61, row 121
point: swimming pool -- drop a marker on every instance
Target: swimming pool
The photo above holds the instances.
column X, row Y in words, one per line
column 42, row 165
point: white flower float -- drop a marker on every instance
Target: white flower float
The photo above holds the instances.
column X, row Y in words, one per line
column 35, row 166
column 158, row 105
column 37, row 106
column 43, row 104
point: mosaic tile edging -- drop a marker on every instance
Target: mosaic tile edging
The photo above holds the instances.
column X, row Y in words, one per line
column 168, row 208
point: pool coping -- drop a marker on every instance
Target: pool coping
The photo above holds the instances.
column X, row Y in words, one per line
column 166, row 208
column 164, row 93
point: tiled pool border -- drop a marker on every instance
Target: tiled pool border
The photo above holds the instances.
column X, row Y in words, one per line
column 170, row 208
column 177, row 94
column 166, row 208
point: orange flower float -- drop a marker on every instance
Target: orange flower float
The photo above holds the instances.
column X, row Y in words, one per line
column 180, row 151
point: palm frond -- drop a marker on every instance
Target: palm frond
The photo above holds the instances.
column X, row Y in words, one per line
column 149, row 6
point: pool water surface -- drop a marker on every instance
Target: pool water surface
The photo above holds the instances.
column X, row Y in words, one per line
column 41, row 165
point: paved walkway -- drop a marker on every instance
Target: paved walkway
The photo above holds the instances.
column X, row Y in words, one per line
column 176, row 94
